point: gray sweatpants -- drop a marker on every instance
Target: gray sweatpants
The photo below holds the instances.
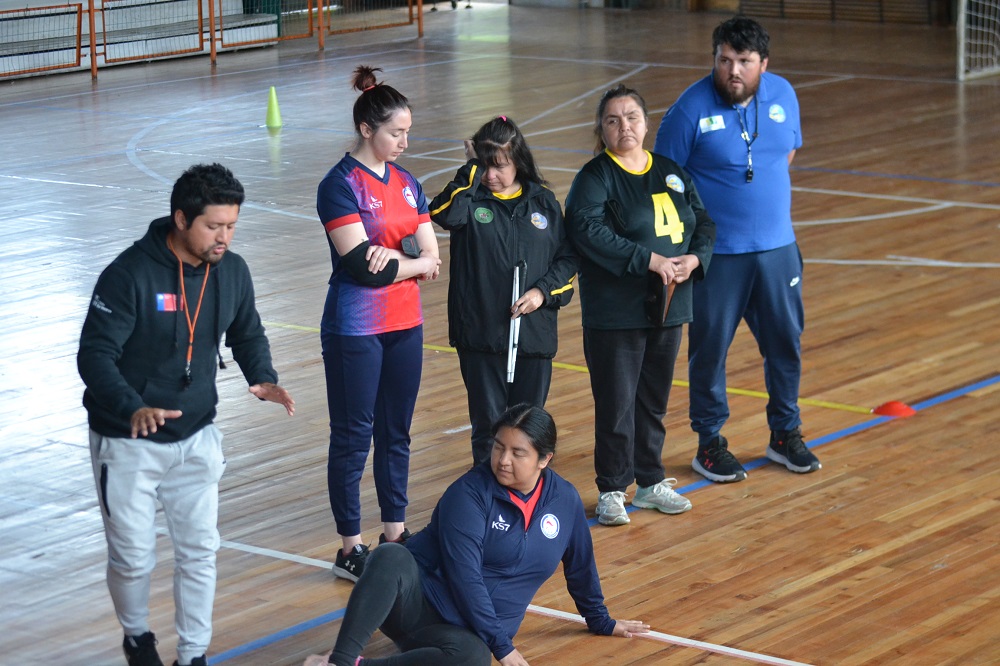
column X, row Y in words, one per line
column 131, row 475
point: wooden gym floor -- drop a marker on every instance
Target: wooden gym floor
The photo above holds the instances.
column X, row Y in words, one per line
column 888, row 555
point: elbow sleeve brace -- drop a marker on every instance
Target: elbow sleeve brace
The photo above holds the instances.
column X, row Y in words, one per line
column 356, row 265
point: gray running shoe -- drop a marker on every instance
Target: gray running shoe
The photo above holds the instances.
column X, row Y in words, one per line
column 611, row 508
column 661, row 497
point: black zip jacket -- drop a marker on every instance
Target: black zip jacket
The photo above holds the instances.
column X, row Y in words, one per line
column 134, row 343
column 489, row 236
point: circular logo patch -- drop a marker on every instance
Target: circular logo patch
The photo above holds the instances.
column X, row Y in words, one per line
column 776, row 113
column 550, row 526
column 408, row 195
column 675, row 183
column 539, row 220
column 483, row 215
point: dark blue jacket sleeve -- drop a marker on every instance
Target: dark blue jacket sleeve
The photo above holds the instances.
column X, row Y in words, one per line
column 462, row 513
column 582, row 581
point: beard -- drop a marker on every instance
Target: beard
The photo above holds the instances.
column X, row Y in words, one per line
column 741, row 96
column 211, row 258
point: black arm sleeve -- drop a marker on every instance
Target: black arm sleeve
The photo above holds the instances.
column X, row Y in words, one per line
column 356, row 265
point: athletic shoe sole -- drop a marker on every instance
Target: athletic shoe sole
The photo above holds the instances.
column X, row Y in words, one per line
column 345, row 574
column 613, row 521
column 732, row 478
column 662, row 509
column 774, row 456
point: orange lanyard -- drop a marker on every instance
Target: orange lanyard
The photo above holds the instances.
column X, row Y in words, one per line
column 191, row 323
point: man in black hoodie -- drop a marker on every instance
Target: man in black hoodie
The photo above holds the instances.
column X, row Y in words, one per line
column 148, row 356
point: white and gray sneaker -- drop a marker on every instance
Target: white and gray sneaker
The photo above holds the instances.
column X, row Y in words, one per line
column 611, row 508
column 661, row 497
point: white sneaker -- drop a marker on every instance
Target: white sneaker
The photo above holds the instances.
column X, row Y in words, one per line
column 611, row 508
column 661, row 497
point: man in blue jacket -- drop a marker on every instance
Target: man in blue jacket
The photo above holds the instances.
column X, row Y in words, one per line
column 148, row 356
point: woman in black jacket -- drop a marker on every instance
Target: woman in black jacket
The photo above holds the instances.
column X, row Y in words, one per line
column 501, row 216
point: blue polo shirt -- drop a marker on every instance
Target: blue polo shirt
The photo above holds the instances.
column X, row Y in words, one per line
column 702, row 133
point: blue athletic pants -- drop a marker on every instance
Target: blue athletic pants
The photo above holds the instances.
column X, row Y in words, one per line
column 765, row 290
column 371, row 390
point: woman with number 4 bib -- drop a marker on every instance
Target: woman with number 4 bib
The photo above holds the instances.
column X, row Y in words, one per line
column 642, row 234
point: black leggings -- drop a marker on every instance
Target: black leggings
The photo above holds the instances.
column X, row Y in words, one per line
column 388, row 596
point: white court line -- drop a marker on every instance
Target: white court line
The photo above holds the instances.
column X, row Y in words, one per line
column 894, row 260
column 538, row 610
column 267, row 552
column 878, row 216
column 893, row 197
column 455, row 430
column 587, row 95
column 678, row 640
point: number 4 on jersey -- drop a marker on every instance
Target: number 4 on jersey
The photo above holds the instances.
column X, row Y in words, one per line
column 667, row 222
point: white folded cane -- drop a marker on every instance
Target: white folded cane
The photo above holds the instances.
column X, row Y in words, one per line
column 515, row 324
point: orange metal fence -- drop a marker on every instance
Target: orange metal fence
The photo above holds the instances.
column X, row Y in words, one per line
column 43, row 39
column 40, row 39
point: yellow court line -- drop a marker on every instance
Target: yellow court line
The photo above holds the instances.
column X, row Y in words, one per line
column 294, row 327
column 582, row 368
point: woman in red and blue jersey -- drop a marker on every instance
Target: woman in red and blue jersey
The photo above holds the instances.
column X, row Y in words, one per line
column 381, row 243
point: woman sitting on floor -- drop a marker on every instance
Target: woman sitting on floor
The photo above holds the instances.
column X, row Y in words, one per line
column 457, row 591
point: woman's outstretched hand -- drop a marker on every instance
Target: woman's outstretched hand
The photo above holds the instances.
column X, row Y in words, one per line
column 626, row 628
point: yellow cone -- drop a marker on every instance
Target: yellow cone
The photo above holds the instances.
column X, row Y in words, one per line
column 273, row 112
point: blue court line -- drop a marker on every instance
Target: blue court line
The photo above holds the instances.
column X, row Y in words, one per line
column 840, row 434
column 294, row 630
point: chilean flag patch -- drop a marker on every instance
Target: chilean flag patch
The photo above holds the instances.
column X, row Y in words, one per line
column 166, row 302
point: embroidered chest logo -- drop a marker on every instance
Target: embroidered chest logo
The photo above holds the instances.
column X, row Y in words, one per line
column 483, row 215
column 373, row 203
column 408, row 195
column 550, row 526
column 500, row 523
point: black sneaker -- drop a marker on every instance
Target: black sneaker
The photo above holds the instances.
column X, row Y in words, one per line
column 716, row 463
column 350, row 567
column 401, row 540
column 788, row 449
column 197, row 661
column 141, row 650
